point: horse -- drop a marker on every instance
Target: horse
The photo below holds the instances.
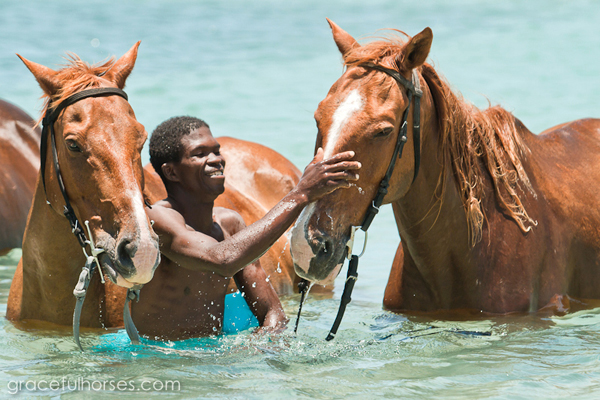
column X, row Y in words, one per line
column 91, row 172
column 19, row 163
column 492, row 218
column 257, row 177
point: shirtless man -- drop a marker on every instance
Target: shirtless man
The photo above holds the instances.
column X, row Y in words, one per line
column 202, row 246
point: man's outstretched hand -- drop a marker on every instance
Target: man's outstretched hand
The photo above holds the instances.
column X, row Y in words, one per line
column 322, row 177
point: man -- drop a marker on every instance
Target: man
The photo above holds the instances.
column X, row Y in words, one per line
column 203, row 246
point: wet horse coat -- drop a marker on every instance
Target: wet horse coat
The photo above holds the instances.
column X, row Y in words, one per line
column 19, row 164
column 498, row 219
column 98, row 145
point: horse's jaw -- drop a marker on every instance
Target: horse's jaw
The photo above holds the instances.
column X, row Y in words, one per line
column 328, row 280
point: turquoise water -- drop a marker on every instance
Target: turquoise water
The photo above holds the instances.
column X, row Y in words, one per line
column 257, row 70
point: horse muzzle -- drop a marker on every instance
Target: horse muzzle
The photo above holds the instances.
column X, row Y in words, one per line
column 317, row 257
column 132, row 260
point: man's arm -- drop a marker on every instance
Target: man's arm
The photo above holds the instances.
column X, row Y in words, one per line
column 197, row 251
column 261, row 297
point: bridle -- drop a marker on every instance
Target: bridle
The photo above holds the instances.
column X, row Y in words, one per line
column 413, row 91
column 76, row 228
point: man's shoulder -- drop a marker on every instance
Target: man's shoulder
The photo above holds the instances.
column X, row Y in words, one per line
column 164, row 212
column 160, row 207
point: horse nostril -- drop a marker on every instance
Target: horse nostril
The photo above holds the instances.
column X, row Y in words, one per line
column 125, row 252
column 324, row 247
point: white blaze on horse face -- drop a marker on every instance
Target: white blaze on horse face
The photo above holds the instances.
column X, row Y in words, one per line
column 351, row 104
column 146, row 256
column 301, row 250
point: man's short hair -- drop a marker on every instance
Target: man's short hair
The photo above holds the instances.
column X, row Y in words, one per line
column 165, row 142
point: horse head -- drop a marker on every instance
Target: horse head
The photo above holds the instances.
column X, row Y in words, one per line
column 362, row 112
column 98, row 148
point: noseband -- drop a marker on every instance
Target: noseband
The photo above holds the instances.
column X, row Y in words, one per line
column 413, row 91
column 76, row 228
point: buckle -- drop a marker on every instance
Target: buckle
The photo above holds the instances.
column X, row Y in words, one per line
column 350, row 243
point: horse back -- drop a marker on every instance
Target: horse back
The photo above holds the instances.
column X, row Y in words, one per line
column 566, row 165
column 19, row 165
column 258, row 171
column 565, row 171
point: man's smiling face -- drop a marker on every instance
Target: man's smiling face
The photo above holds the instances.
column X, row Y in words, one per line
column 202, row 165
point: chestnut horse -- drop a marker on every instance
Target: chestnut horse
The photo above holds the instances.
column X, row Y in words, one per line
column 497, row 219
column 98, row 144
column 256, row 179
column 19, row 164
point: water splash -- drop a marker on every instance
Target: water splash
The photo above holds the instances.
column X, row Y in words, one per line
column 360, row 190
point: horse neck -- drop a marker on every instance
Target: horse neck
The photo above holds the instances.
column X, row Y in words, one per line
column 52, row 257
column 431, row 217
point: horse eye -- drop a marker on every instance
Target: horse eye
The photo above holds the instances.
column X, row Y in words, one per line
column 73, row 146
column 384, row 132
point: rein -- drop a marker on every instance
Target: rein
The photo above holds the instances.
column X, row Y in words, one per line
column 414, row 92
column 76, row 228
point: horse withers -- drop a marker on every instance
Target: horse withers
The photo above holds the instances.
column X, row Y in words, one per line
column 497, row 219
column 98, row 144
column 19, row 164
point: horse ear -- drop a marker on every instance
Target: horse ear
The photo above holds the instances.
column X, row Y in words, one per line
column 344, row 41
column 46, row 77
column 417, row 49
column 121, row 69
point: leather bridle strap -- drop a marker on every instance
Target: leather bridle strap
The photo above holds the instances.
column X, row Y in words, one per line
column 48, row 129
column 77, row 229
column 414, row 94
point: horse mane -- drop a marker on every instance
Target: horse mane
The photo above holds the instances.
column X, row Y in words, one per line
column 76, row 75
column 472, row 141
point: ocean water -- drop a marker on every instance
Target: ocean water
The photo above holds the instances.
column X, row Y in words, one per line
column 256, row 71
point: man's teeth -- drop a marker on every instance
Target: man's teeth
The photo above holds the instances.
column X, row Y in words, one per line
column 216, row 173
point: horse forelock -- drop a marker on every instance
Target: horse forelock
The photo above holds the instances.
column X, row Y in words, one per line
column 386, row 52
column 469, row 138
column 75, row 76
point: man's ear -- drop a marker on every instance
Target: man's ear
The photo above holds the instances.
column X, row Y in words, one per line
column 169, row 172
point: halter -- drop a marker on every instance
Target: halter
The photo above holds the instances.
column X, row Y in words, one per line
column 76, row 228
column 413, row 91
